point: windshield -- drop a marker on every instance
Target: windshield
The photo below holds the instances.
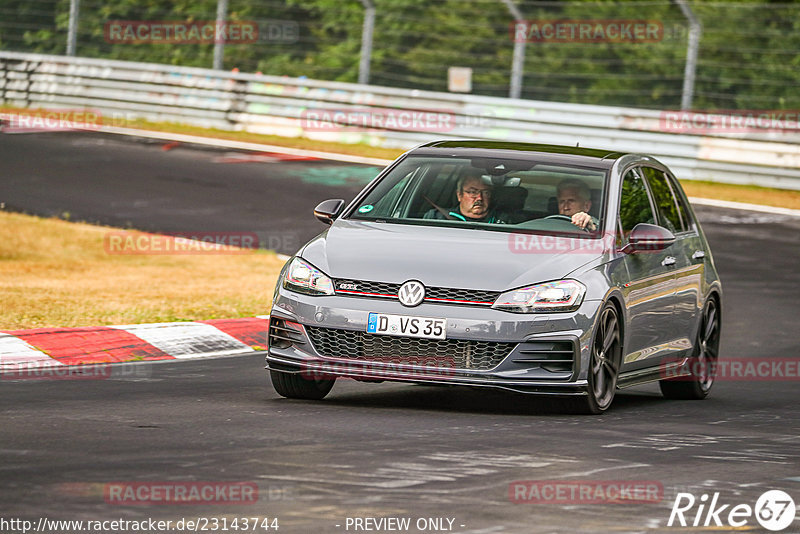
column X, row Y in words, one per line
column 487, row 193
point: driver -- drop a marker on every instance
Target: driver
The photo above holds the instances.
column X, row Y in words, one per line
column 574, row 201
column 474, row 200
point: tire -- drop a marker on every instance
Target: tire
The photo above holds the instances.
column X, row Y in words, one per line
column 702, row 364
column 604, row 363
column 294, row 386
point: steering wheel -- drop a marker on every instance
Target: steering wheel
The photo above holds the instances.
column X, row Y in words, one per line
column 560, row 217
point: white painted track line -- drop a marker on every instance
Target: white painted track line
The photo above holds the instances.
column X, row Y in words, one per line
column 18, row 354
column 241, row 145
column 744, row 206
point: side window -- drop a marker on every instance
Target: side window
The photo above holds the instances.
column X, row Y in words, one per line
column 442, row 187
column 682, row 211
column 665, row 201
column 437, row 184
column 387, row 206
column 634, row 206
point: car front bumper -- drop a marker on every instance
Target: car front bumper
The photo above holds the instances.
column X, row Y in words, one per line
column 538, row 353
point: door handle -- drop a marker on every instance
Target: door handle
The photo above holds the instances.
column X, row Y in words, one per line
column 698, row 255
column 669, row 260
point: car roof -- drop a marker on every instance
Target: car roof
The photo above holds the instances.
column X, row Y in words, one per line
column 543, row 153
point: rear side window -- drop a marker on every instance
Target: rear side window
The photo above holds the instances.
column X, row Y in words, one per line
column 634, row 206
column 682, row 211
column 668, row 215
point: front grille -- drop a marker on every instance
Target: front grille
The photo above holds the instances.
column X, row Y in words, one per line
column 467, row 296
column 447, row 353
column 440, row 295
column 367, row 289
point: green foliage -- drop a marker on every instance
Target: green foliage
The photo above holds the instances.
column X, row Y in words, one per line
column 749, row 53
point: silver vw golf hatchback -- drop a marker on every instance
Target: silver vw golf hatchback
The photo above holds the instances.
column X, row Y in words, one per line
column 529, row 268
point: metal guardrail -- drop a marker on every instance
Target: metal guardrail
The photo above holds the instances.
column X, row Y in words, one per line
column 121, row 91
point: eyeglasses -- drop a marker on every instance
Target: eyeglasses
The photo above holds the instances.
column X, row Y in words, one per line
column 476, row 192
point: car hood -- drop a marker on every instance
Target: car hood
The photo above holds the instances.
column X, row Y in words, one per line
column 437, row 256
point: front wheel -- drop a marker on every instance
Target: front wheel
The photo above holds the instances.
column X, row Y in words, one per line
column 294, row 386
column 702, row 364
column 604, row 363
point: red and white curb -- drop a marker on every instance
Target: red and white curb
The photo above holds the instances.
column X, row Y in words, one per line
column 52, row 347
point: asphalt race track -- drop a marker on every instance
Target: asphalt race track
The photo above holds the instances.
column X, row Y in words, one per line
column 445, row 458
column 151, row 185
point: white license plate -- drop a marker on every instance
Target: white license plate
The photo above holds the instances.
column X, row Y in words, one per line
column 406, row 325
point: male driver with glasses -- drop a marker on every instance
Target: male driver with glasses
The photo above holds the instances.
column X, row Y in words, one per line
column 474, row 201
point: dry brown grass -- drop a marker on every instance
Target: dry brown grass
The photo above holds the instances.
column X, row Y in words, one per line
column 57, row 273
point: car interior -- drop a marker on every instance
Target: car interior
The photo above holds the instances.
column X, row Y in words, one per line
column 520, row 195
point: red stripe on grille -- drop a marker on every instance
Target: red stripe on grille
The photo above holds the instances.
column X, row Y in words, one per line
column 464, row 301
column 351, row 292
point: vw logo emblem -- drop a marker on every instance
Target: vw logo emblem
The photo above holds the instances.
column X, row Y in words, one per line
column 411, row 293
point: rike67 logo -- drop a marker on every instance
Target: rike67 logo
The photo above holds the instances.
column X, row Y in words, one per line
column 774, row 510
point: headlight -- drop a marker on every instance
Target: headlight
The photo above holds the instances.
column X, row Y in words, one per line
column 303, row 277
column 560, row 296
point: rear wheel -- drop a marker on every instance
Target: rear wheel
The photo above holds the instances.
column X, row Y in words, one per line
column 702, row 364
column 604, row 363
column 294, row 386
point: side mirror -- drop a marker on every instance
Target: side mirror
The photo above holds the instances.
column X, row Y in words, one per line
column 648, row 238
column 327, row 210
